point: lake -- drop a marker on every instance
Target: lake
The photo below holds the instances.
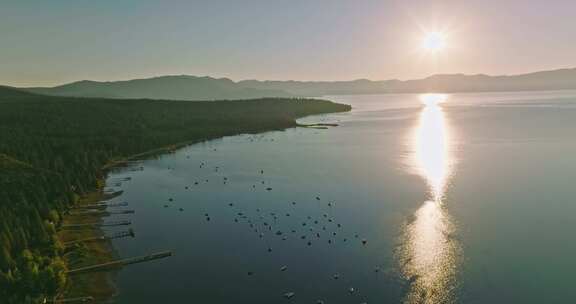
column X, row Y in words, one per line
column 459, row 198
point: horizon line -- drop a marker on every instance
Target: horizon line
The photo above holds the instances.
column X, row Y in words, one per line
column 291, row 80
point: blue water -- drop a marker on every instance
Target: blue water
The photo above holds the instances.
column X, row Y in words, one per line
column 468, row 198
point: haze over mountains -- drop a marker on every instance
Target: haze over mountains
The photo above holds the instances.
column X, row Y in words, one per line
column 165, row 87
column 208, row 88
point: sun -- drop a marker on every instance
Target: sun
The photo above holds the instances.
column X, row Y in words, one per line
column 434, row 41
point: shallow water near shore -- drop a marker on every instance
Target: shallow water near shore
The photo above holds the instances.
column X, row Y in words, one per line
column 462, row 198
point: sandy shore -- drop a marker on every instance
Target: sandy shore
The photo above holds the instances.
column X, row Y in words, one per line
column 99, row 285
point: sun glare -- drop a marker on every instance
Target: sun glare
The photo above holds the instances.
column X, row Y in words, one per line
column 434, row 41
column 433, row 99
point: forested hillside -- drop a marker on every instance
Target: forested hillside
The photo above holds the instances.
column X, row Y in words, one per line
column 52, row 150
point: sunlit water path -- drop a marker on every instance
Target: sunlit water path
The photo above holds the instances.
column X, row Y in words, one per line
column 465, row 198
column 429, row 257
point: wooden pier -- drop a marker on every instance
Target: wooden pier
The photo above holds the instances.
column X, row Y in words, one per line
column 120, row 263
column 101, row 205
column 70, row 300
column 102, row 212
column 117, row 235
column 97, row 225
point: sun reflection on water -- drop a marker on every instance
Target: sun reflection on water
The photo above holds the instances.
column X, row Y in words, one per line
column 428, row 254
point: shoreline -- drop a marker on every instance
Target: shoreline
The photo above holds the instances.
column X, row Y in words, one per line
column 98, row 285
column 101, row 285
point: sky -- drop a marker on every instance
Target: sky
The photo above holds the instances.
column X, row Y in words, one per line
column 45, row 43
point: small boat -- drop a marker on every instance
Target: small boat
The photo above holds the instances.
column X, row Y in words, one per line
column 289, row 295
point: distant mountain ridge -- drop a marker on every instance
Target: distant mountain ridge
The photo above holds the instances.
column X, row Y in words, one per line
column 562, row 79
column 207, row 88
column 10, row 92
column 165, row 87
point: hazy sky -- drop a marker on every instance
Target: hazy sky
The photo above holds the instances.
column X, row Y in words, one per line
column 47, row 42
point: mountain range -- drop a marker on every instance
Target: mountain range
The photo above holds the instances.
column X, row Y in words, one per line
column 186, row 87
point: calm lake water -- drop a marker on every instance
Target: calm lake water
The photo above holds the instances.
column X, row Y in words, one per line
column 462, row 198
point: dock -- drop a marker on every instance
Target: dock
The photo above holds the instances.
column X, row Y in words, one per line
column 97, row 225
column 120, row 263
column 70, row 300
column 101, row 205
column 102, row 212
column 117, row 235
